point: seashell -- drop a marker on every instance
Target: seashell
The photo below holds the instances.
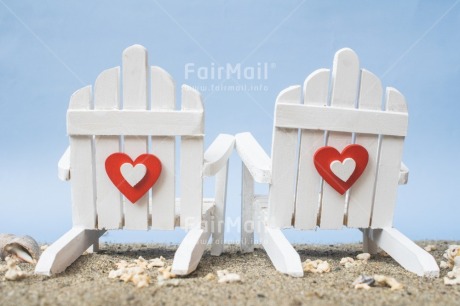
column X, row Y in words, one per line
column 209, row 277
column 167, row 282
column 156, row 262
column 14, row 272
column 453, row 277
column 430, row 248
column 450, row 254
column 382, row 280
column 5, row 239
column 166, row 272
column 136, row 271
column 227, row 277
column 346, row 260
column 364, row 279
column 457, row 262
column 444, row 265
column 363, row 256
column 141, row 280
column 362, row 286
column 316, row 266
column 24, row 248
column 451, row 282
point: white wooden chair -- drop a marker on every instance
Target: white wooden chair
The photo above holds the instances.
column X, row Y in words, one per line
column 338, row 109
column 101, row 123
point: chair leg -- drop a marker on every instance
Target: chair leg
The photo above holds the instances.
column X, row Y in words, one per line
column 368, row 245
column 409, row 255
column 283, row 256
column 61, row 254
column 191, row 249
column 218, row 228
column 94, row 248
column 247, row 220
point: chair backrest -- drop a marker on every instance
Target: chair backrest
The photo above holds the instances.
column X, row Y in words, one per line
column 339, row 108
column 120, row 115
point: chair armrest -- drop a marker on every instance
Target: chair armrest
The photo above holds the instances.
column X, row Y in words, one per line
column 254, row 157
column 64, row 166
column 403, row 174
column 216, row 156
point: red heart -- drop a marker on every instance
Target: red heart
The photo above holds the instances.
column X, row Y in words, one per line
column 325, row 156
column 152, row 165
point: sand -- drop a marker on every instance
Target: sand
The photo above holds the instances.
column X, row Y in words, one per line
column 86, row 281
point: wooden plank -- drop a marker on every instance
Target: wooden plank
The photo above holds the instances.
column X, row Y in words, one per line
column 216, row 159
column 254, row 157
column 247, row 209
column 81, row 167
column 164, row 147
column 191, row 249
column 284, row 153
column 108, row 198
column 281, row 253
column 218, row 228
column 218, row 153
column 135, row 122
column 345, row 78
column 62, row 253
column 64, row 166
column 362, row 193
column 340, row 119
column 391, row 149
column 405, row 252
column 316, row 90
column 134, row 82
column 403, row 174
column 191, row 182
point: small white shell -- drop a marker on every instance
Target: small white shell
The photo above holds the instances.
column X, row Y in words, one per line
column 344, row 260
column 382, row 280
column 227, row 277
column 450, row 254
column 363, row 256
column 363, row 279
column 316, row 266
column 430, row 248
column 14, row 272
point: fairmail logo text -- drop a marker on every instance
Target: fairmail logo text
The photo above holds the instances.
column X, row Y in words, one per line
column 228, row 71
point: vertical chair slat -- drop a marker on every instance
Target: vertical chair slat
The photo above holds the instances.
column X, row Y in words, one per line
column 316, row 89
column 284, row 152
column 218, row 229
column 108, row 199
column 164, row 147
column 345, row 78
column 134, row 80
column 247, row 210
column 81, row 166
column 362, row 192
column 191, row 163
column 391, row 149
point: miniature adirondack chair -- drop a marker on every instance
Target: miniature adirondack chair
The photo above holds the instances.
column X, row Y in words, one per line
column 101, row 123
column 299, row 197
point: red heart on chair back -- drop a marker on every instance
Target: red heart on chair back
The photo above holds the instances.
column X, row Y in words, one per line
column 133, row 178
column 341, row 170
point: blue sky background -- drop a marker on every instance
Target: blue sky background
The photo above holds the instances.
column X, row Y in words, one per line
column 49, row 49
